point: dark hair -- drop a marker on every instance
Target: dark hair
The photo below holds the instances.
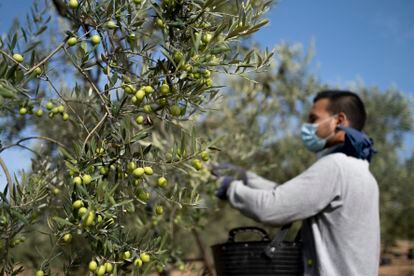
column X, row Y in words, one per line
column 347, row 102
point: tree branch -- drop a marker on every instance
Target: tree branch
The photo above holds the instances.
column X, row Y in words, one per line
column 94, row 88
column 93, row 130
column 34, row 137
column 12, row 59
column 61, row 8
column 203, row 252
column 60, row 46
column 70, row 107
column 8, row 177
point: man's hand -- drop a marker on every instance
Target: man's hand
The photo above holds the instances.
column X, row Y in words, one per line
column 225, row 182
column 228, row 169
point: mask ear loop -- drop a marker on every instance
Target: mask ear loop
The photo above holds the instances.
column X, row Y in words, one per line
column 340, row 125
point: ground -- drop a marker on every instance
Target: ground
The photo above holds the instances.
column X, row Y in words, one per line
column 400, row 265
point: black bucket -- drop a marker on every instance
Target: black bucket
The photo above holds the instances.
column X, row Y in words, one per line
column 263, row 257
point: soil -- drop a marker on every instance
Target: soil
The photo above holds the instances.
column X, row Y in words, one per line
column 400, row 265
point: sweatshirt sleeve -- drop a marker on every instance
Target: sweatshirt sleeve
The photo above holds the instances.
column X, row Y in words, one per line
column 297, row 199
column 257, row 182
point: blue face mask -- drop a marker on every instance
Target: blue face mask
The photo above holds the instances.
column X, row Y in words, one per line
column 310, row 139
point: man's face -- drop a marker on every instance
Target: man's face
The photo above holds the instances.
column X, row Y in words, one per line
column 320, row 115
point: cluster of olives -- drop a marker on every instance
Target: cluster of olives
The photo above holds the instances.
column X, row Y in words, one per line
column 203, row 76
column 139, row 95
column 127, row 256
column 95, row 40
column 88, row 218
column 53, row 110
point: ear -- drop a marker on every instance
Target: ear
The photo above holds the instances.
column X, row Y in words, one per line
column 342, row 119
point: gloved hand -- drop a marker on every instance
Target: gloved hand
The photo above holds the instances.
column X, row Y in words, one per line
column 227, row 169
column 225, row 182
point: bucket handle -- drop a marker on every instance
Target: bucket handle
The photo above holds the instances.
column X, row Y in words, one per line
column 235, row 231
column 271, row 248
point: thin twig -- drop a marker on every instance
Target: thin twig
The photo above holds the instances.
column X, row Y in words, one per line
column 29, row 149
column 95, row 50
column 8, row 177
column 138, row 54
column 12, row 59
column 93, row 130
column 203, row 252
column 60, row 46
column 31, row 202
column 66, row 102
column 34, row 137
column 94, row 88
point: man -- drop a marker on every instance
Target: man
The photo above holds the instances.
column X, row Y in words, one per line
column 337, row 197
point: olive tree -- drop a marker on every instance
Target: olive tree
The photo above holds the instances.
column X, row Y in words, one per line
column 111, row 90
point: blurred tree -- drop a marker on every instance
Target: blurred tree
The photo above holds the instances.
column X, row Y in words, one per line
column 259, row 126
column 389, row 119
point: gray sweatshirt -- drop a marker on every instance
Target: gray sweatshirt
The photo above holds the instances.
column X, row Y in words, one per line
column 338, row 200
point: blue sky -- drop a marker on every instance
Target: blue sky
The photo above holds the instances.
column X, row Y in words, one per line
column 371, row 40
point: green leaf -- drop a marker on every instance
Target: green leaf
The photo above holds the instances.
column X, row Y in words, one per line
column 41, row 30
column 147, row 149
column 140, row 136
column 193, row 139
column 66, row 154
column 62, row 221
column 24, row 34
column 113, row 79
column 20, row 216
column 125, row 202
column 11, row 71
column 13, row 43
column 31, row 46
column 70, row 166
column 3, row 69
column 3, row 195
column 7, row 93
